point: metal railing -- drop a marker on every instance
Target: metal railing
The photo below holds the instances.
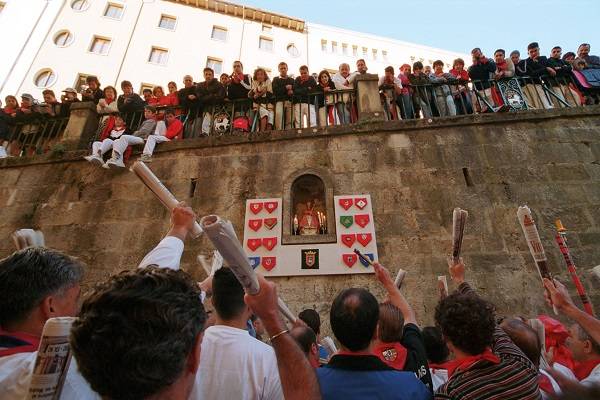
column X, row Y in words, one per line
column 37, row 135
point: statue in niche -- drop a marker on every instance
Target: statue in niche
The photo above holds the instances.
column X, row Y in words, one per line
column 308, row 206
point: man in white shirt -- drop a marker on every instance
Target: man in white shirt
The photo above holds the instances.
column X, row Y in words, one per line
column 233, row 364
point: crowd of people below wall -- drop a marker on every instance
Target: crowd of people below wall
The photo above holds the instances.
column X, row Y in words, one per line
column 145, row 333
column 245, row 102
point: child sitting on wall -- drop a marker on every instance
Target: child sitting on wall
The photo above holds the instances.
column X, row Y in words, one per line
column 100, row 147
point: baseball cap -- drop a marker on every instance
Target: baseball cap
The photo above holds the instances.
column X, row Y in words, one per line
column 27, row 96
column 69, row 90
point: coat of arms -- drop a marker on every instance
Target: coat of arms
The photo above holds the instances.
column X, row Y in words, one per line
column 310, row 259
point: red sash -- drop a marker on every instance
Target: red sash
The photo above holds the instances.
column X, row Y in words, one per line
column 467, row 362
column 30, row 343
column 582, row 369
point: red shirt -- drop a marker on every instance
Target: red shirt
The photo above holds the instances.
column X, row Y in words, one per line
column 174, row 129
column 17, row 342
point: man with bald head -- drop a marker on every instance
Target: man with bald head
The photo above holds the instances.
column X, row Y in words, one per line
column 355, row 372
column 307, row 340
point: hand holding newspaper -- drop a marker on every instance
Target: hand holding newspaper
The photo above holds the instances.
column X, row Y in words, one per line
column 442, row 286
column 459, row 219
column 223, row 237
column 534, row 243
column 160, row 191
column 24, row 238
column 52, row 361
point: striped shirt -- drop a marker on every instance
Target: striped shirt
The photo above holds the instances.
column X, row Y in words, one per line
column 515, row 377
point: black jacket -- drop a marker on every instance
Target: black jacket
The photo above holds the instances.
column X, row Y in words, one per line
column 321, row 96
column 279, row 90
column 186, row 104
column 533, row 68
column 562, row 68
column 302, row 89
column 237, row 91
column 95, row 96
column 133, row 104
column 482, row 72
column 209, row 93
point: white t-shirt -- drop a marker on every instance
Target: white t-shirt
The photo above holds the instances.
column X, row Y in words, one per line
column 234, row 365
column 438, row 377
column 15, row 376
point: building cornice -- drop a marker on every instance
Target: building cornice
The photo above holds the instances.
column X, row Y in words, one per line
column 247, row 13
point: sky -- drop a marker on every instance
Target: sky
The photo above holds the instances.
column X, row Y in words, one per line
column 458, row 25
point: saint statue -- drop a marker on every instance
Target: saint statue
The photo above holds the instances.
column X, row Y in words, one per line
column 309, row 223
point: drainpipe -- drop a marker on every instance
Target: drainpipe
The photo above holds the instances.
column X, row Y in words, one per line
column 243, row 30
column 25, row 45
column 128, row 45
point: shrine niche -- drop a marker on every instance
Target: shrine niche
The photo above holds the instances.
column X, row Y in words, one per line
column 308, row 207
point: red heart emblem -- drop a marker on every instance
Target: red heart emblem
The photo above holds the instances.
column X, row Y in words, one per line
column 349, row 259
column 270, row 222
column 345, row 203
column 362, row 219
column 364, row 238
column 255, row 224
column 269, row 243
column 253, row 244
column 271, row 206
column 360, row 202
column 256, row 207
column 349, row 239
column 269, row 263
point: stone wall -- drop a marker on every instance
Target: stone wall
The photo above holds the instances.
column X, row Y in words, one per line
column 415, row 171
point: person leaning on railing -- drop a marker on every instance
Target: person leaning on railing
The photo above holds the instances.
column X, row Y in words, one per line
column 462, row 96
column 209, row 93
column 443, row 96
column 390, row 88
column 344, row 80
column 419, row 82
column 481, row 72
column 283, row 89
column 532, row 70
column 407, row 108
column 303, row 109
column 559, row 84
column 129, row 102
column 261, row 92
column 325, row 99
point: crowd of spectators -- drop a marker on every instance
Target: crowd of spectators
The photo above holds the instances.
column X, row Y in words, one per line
column 146, row 333
column 255, row 102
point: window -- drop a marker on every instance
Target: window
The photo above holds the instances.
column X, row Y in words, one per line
column 365, row 52
column 80, row 5
column 158, row 56
column 167, row 22
column 144, row 86
column 267, row 29
column 45, row 78
column 374, row 54
column 114, row 11
column 293, row 50
column 219, row 33
column 81, row 83
column 309, row 213
column 323, row 45
column 215, row 64
column 334, row 47
column 63, row 38
column 384, row 55
column 355, row 51
column 412, row 58
column 100, row 45
column 344, row 49
column 265, row 44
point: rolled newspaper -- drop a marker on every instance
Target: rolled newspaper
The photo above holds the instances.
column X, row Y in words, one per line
column 217, row 262
column 442, row 286
column 204, row 263
column 160, row 191
column 52, row 361
column 534, row 243
column 399, row 278
column 459, row 219
column 328, row 343
column 223, row 237
column 24, row 238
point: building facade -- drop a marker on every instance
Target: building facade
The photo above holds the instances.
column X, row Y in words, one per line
column 152, row 42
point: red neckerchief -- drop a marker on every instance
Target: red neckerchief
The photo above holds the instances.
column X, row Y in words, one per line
column 466, row 363
column 556, row 335
column 582, row 369
column 9, row 110
column 393, row 354
column 240, row 77
column 545, row 384
column 108, row 100
column 32, row 340
column 443, row 365
column 502, row 66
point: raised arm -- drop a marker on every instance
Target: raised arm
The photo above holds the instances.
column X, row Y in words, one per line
column 557, row 292
column 298, row 378
column 396, row 298
column 167, row 254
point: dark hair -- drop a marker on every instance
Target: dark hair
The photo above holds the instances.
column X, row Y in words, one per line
column 220, row 76
column 568, row 54
column 305, row 337
column 209, row 69
column 557, row 47
column 312, row 319
column 476, row 49
column 532, row 45
column 500, row 51
column 353, row 317
column 30, row 275
column 417, row 65
column 109, row 88
column 92, row 78
column 524, row 337
column 228, row 294
column 136, row 330
column 584, row 336
column 582, row 45
column 170, row 111
column 150, row 108
column 389, row 68
column 257, row 70
column 391, row 323
column 324, row 72
column 303, row 67
column 147, row 90
column 48, row 91
column 435, row 346
column 458, row 61
column 238, row 61
column 282, row 63
column 438, row 62
column 125, row 83
column 361, row 59
column 467, row 321
column 517, row 52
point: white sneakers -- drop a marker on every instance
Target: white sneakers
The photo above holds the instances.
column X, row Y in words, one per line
column 94, row 159
column 115, row 162
column 146, row 158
